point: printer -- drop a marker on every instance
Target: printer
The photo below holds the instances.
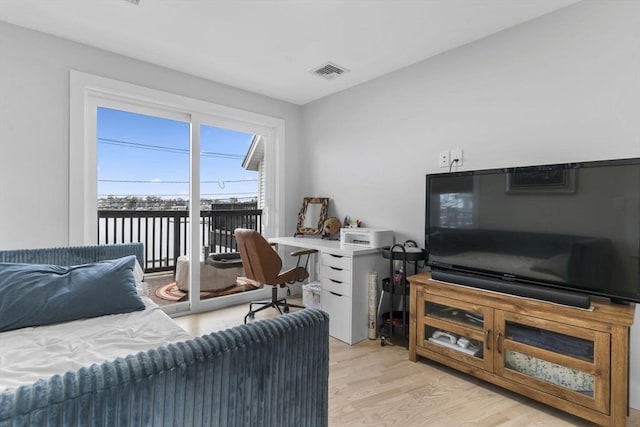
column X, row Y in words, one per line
column 366, row 237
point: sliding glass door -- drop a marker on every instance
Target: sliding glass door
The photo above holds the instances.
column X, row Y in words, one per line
column 176, row 174
column 157, row 175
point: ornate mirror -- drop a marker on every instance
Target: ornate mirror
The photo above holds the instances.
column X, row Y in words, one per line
column 312, row 215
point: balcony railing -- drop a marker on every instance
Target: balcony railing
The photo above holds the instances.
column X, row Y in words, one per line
column 165, row 233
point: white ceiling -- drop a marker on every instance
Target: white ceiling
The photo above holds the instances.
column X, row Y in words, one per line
column 269, row 46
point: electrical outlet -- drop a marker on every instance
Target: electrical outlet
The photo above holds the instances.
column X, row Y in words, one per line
column 456, row 153
column 443, row 159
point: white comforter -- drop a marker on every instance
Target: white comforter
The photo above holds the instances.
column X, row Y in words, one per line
column 29, row 354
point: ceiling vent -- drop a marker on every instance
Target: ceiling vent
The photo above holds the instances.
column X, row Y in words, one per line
column 329, row 71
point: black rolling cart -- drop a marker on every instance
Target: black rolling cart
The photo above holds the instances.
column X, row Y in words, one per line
column 394, row 318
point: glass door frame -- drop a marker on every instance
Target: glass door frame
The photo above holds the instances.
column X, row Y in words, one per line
column 88, row 91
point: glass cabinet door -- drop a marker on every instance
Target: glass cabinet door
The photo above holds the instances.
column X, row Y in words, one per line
column 566, row 361
column 455, row 328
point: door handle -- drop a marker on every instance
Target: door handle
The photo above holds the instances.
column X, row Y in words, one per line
column 487, row 338
column 500, row 342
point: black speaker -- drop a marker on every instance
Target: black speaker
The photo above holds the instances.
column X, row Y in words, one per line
column 574, row 299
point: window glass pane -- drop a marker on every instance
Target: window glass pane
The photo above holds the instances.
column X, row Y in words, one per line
column 225, row 179
column 143, row 193
column 228, row 200
column 549, row 340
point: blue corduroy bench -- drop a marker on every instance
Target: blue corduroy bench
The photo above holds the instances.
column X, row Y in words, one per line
column 269, row 373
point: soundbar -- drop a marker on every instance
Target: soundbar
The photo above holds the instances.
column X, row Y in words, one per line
column 573, row 299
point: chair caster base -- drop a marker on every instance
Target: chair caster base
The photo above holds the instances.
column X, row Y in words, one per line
column 250, row 315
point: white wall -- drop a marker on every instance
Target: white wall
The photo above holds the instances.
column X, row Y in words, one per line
column 562, row 88
column 34, row 128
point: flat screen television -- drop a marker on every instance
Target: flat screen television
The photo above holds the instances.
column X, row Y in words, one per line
column 568, row 229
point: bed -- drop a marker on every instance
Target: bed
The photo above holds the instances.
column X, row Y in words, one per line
column 138, row 367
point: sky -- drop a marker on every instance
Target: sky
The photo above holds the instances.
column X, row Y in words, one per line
column 141, row 155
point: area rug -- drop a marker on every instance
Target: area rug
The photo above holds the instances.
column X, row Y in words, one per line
column 170, row 291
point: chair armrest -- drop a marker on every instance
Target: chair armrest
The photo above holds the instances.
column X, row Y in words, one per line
column 301, row 252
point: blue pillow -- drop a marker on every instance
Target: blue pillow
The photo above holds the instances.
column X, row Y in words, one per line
column 40, row 294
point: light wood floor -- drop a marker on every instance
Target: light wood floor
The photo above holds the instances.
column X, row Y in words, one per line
column 370, row 385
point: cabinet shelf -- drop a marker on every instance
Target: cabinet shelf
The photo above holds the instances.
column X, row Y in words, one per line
column 445, row 343
column 397, row 289
column 455, row 315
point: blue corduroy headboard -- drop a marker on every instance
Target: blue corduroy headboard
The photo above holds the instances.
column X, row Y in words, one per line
column 74, row 255
column 271, row 373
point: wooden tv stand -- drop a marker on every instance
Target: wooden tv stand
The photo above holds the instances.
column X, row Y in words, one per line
column 572, row 359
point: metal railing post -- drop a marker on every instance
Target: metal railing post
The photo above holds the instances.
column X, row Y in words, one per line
column 176, row 237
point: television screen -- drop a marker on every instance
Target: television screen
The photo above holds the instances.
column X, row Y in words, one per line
column 571, row 226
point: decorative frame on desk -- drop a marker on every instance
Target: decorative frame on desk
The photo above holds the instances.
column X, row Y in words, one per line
column 312, row 216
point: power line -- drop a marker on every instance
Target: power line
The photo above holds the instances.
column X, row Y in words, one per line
column 175, row 194
column 222, row 183
column 152, row 147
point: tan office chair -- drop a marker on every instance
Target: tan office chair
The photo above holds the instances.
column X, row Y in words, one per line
column 262, row 264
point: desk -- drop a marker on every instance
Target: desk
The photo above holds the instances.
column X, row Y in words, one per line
column 343, row 274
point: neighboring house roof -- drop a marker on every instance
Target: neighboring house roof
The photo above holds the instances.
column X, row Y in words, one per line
column 254, row 155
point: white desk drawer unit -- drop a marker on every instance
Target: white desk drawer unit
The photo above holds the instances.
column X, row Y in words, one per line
column 344, row 281
column 344, row 278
